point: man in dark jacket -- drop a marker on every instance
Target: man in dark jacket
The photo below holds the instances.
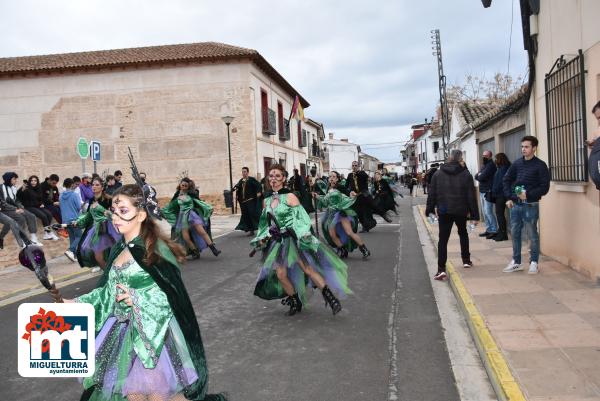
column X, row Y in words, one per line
column 485, row 176
column 249, row 192
column 452, row 197
column 525, row 182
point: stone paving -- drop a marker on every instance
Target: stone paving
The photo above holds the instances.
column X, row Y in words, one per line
column 547, row 325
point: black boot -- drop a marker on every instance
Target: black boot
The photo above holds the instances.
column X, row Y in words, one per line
column 195, row 254
column 214, row 249
column 331, row 300
column 365, row 252
column 342, row 252
column 293, row 301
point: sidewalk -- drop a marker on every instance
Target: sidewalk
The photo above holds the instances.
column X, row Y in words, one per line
column 547, row 326
column 18, row 280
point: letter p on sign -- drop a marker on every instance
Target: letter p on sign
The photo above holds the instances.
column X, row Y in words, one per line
column 95, row 150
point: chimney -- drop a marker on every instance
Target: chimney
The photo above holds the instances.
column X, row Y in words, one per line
column 331, row 135
column 344, row 139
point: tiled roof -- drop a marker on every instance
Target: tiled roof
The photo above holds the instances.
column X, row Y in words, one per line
column 138, row 56
column 516, row 100
column 471, row 111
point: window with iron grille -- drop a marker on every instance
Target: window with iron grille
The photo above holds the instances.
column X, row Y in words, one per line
column 565, row 118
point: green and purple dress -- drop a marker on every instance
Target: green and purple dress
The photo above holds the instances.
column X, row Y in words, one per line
column 185, row 211
column 287, row 231
column 99, row 233
column 154, row 346
column 339, row 208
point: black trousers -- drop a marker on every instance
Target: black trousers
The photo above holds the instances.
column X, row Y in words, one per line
column 500, row 217
column 445, row 225
column 41, row 213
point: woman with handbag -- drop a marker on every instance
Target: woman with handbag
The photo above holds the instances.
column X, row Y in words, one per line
column 497, row 195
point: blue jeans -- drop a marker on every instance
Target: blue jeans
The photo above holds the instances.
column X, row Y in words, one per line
column 74, row 238
column 525, row 214
column 489, row 217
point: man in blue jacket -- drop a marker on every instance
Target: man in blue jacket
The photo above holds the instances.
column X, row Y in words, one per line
column 525, row 182
column 485, row 176
column 70, row 203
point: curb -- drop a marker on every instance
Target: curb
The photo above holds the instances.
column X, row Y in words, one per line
column 506, row 386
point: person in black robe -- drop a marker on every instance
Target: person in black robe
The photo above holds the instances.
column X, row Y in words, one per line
column 383, row 194
column 357, row 184
column 249, row 192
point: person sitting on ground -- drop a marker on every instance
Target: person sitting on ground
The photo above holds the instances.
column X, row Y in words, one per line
column 31, row 197
column 13, row 208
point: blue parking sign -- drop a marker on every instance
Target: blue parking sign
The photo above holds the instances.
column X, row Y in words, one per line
column 95, row 150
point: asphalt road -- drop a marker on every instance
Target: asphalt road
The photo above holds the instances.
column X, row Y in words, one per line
column 386, row 344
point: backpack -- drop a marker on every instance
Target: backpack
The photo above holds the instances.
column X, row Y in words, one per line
column 594, row 164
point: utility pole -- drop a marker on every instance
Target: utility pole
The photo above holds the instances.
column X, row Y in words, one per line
column 437, row 51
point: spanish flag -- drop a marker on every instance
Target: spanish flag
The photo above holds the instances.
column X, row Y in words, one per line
column 297, row 110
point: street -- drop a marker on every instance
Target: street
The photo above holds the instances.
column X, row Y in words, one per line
column 386, row 344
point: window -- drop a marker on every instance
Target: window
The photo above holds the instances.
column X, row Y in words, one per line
column 303, row 169
column 303, row 139
column 283, row 159
column 280, row 125
column 264, row 108
column 436, row 146
column 565, row 120
column 267, row 163
column 286, row 127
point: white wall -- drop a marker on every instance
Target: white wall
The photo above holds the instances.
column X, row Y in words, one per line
column 341, row 157
column 469, row 148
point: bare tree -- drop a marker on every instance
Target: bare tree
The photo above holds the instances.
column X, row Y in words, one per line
column 479, row 89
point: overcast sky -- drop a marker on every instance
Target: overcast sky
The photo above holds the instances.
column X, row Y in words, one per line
column 365, row 66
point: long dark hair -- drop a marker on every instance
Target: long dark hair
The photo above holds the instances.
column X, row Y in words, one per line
column 502, row 160
column 150, row 231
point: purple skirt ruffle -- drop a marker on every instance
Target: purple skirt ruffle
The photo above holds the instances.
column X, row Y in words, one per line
column 107, row 239
column 119, row 370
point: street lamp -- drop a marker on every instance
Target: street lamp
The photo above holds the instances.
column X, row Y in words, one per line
column 228, row 120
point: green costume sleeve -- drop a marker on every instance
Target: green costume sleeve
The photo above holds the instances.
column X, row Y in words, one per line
column 322, row 201
column 301, row 225
column 84, row 219
column 339, row 201
column 322, row 185
column 170, row 211
column 203, row 209
column 263, row 227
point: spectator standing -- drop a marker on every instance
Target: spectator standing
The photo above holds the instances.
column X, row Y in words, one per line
column 110, row 186
column 118, row 179
column 502, row 165
column 85, row 188
column 485, row 176
column 31, row 197
column 525, row 182
column 13, row 208
column 452, row 198
column 70, row 205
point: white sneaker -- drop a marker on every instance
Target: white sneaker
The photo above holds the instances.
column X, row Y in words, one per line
column 512, row 267
column 95, row 269
column 54, row 236
column 47, row 235
column 533, row 268
column 70, row 255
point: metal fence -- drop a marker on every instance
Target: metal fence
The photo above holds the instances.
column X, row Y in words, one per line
column 565, row 118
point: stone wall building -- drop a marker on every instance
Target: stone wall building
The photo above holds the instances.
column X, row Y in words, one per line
column 164, row 102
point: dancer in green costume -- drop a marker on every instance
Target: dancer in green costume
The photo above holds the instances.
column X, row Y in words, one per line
column 148, row 343
column 190, row 218
column 340, row 224
column 292, row 256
